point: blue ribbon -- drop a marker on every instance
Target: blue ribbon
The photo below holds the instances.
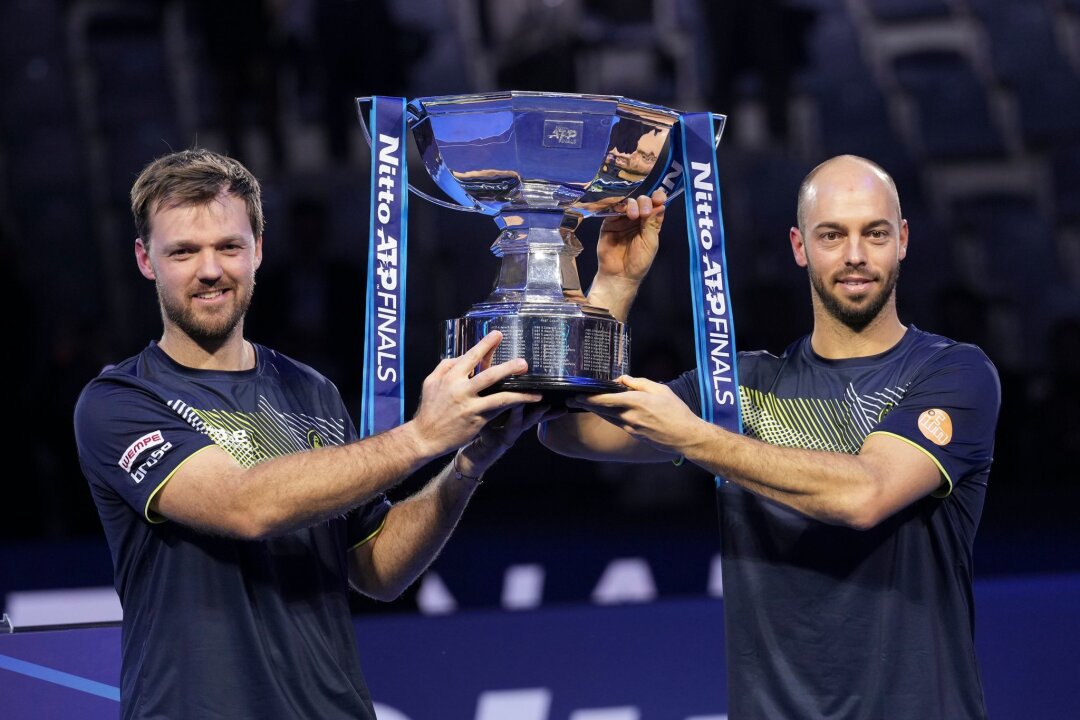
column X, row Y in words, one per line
column 714, row 325
column 383, row 398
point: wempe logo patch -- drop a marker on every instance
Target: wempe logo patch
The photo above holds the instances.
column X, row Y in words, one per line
column 149, row 440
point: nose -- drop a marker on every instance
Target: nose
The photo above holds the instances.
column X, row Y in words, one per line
column 209, row 269
column 855, row 252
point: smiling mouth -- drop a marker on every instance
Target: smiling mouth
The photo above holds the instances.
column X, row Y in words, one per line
column 211, row 295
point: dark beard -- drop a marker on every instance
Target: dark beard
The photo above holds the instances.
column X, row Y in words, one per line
column 206, row 336
column 854, row 317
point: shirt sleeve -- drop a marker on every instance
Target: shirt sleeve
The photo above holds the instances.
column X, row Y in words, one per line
column 130, row 442
column 950, row 412
column 685, row 387
column 366, row 521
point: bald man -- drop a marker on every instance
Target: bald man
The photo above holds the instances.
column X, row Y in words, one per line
column 849, row 505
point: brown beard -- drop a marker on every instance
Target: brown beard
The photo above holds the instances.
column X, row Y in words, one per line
column 205, row 334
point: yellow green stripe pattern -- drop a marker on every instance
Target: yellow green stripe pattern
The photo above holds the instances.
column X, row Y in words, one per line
column 832, row 424
column 252, row 437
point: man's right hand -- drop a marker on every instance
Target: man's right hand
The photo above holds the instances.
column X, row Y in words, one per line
column 453, row 409
column 625, row 251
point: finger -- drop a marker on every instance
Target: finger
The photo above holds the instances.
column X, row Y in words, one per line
column 489, row 357
column 471, row 358
column 496, row 373
column 534, row 414
column 491, row 405
column 636, row 383
column 599, row 401
column 613, row 416
column 645, row 206
column 633, row 208
column 659, row 197
column 514, row 423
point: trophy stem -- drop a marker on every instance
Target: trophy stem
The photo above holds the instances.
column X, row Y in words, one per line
column 538, row 265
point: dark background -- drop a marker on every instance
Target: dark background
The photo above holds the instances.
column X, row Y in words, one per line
column 972, row 105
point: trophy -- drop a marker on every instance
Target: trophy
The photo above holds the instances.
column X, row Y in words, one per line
column 540, row 163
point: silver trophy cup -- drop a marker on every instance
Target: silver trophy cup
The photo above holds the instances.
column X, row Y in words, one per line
column 540, row 163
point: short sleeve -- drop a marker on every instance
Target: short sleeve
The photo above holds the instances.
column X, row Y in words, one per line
column 130, row 442
column 685, row 387
column 950, row 412
column 366, row 521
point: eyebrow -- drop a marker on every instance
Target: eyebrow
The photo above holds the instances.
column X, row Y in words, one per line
column 829, row 225
column 231, row 238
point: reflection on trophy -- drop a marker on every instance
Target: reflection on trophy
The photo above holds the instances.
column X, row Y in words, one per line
column 540, row 163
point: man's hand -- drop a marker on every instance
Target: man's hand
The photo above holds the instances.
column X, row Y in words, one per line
column 625, row 252
column 628, row 243
column 648, row 411
column 452, row 409
column 499, row 434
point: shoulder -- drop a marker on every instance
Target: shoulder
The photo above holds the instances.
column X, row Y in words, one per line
column 287, row 367
column 290, row 372
column 932, row 353
column 111, row 379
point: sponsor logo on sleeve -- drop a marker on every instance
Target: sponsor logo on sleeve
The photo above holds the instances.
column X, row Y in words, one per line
column 149, row 440
column 936, row 426
column 155, row 457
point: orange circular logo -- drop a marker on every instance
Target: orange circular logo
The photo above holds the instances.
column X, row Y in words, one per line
column 936, row 426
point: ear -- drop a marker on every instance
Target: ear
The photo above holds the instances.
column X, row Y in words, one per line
column 902, row 248
column 142, row 259
column 798, row 248
column 258, row 252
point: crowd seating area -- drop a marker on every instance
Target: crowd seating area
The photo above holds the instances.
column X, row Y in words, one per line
column 972, row 105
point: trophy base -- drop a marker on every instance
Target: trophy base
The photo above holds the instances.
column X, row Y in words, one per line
column 570, row 350
column 554, row 390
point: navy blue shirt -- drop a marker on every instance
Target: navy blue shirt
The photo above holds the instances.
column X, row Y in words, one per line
column 823, row 621
column 216, row 627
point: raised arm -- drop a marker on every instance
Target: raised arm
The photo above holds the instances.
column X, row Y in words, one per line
column 625, row 252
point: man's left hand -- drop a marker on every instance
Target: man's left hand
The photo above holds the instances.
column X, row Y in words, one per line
column 500, row 434
column 648, row 411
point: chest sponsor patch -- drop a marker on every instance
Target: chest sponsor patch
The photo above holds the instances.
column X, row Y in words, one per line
column 147, row 441
column 936, row 426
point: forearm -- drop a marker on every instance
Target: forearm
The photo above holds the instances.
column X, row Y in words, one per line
column 300, row 489
column 835, row 488
column 615, row 294
column 588, row 437
column 414, row 533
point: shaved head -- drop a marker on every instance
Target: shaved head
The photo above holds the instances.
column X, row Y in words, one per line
column 808, row 189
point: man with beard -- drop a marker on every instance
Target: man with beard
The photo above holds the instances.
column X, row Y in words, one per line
column 238, row 503
column 849, row 505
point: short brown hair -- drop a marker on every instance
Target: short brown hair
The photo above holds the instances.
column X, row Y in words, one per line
column 193, row 177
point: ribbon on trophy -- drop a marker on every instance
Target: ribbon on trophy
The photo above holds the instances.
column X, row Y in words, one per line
column 714, row 326
column 383, row 398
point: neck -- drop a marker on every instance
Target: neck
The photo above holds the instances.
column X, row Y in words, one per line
column 234, row 353
column 834, row 340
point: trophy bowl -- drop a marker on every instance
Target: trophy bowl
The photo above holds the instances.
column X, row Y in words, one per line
column 539, row 163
